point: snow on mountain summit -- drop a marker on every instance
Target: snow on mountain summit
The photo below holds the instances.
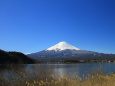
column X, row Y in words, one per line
column 62, row 46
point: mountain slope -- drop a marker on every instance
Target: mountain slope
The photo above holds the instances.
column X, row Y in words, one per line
column 64, row 50
column 62, row 46
column 14, row 57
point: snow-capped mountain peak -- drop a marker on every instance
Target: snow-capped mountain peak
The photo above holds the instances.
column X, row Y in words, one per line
column 62, row 46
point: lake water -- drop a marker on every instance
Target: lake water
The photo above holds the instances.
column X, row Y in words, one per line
column 80, row 68
column 61, row 70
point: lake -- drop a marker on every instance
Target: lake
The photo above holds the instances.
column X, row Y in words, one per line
column 58, row 70
column 80, row 68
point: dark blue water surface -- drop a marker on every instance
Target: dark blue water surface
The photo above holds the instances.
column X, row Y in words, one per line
column 80, row 69
column 60, row 70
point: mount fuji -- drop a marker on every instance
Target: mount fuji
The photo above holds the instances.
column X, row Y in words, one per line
column 63, row 50
column 62, row 46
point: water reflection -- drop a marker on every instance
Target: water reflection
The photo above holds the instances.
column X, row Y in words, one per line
column 42, row 71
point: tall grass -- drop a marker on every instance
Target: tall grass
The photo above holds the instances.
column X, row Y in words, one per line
column 19, row 75
column 97, row 80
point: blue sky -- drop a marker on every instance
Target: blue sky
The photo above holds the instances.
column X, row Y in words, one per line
column 30, row 26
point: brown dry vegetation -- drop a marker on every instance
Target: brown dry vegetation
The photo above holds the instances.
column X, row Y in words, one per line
column 98, row 80
column 30, row 78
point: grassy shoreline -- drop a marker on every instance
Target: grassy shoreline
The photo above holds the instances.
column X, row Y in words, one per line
column 17, row 76
column 97, row 80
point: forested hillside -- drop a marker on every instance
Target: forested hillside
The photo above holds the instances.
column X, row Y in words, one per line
column 15, row 58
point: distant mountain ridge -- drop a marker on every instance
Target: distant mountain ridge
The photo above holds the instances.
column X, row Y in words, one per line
column 64, row 50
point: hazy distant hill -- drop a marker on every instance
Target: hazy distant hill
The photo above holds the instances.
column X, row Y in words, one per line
column 14, row 57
